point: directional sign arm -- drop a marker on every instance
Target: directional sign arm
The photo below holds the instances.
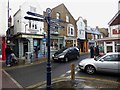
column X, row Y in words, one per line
column 35, row 19
column 35, row 14
column 57, row 20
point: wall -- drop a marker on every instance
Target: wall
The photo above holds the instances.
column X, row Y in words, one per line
column 22, row 25
column 81, row 29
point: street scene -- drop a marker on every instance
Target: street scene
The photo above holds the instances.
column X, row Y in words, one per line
column 50, row 45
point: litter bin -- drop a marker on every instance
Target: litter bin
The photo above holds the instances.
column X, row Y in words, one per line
column 28, row 56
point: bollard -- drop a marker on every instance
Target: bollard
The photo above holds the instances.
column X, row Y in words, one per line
column 72, row 72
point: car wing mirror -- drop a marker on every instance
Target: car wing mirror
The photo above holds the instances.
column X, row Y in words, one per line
column 102, row 60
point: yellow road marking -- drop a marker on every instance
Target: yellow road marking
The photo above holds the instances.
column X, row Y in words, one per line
column 98, row 79
column 63, row 78
column 21, row 66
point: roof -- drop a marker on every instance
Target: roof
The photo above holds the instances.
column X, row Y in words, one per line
column 115, row 20
column 93, row 31
column 16, row 12
column 60, row 5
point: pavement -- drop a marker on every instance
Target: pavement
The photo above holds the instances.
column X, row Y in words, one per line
column 7, row 80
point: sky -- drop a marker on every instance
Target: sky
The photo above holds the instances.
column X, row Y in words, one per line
column 96, row 12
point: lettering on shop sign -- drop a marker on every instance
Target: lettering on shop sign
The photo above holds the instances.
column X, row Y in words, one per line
column 116, row 31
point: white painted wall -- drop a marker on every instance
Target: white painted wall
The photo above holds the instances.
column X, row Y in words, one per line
column 20, row 22
column 81, row 28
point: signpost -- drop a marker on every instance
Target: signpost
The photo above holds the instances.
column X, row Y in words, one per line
column 51, row 24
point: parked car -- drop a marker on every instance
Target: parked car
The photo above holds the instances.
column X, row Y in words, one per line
column 109, row 62
column 66, row 54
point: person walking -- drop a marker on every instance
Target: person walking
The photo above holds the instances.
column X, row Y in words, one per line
column 8, row 52
column 97, row 51
column 91, row 52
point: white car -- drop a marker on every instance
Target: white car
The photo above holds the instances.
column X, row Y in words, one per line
column 110, row 62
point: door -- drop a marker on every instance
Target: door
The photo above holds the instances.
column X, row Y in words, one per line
column 109, row 63
column 25, row 48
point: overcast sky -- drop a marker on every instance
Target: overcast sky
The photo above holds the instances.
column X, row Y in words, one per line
column 97, row 12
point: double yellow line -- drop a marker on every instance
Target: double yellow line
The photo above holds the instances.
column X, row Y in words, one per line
column 42, row 84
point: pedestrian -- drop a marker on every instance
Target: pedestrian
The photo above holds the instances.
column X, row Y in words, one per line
column 13, row 59
column 36, row 52
column 8, row 52
column 91, row 52
column 97, row 51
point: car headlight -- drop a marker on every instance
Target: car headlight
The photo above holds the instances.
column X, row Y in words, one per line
column 81, row 63
column 62, row 56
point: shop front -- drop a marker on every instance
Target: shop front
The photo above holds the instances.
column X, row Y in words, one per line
column 29, row 43
column 70, row 42
column 107, row 45
column 82, row 45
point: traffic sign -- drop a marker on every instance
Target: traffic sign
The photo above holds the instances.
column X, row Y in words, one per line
column 48, row 10
column 44, row 39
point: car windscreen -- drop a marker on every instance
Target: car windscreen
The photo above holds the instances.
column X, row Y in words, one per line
column 60, row 51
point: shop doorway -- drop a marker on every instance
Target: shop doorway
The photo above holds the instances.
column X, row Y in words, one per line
column 25, row 48
column 109, row 49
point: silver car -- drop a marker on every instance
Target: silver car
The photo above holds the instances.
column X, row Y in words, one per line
column 110, row 62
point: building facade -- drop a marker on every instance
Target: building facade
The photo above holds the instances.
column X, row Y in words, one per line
column 62, row 37
column 92, row 34
column 28, row 34
column 112, row 43
column 81, row 35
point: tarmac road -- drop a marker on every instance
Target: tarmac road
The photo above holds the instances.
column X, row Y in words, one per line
column 34, row 75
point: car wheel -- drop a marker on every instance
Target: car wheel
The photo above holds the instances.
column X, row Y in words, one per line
column 66, row 59
column 90, row 69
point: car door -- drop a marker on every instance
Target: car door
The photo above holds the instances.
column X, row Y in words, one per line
column 71, row 53
column 108, row 63
column 118, row 63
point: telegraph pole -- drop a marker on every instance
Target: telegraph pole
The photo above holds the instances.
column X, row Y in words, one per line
column 8, row 32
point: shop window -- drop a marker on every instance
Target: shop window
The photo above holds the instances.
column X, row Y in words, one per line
column 54, row 45
column 117, row 46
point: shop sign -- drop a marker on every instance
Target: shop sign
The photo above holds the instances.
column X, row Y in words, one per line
column 116, row 31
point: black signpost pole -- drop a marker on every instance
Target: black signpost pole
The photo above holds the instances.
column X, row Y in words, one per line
column 48, row 87
column 51, row 23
